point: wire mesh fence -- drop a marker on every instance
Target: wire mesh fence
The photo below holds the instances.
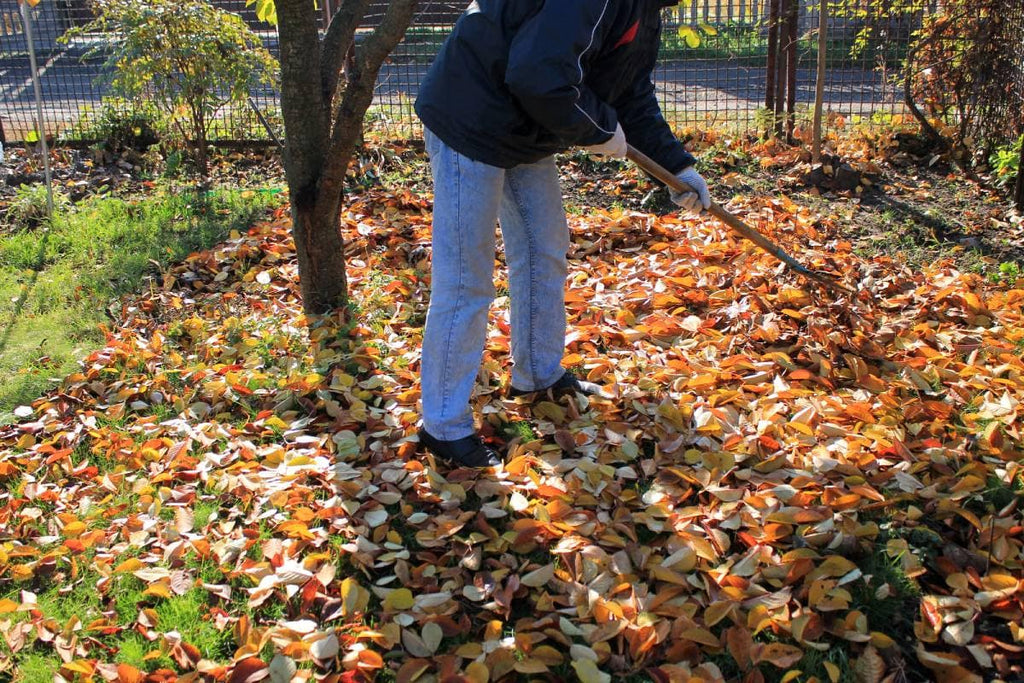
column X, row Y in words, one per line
column 713, row 69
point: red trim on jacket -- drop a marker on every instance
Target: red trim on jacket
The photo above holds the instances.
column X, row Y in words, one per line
column 629, row 35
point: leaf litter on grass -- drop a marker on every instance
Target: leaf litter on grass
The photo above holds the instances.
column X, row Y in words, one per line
column 768, row 467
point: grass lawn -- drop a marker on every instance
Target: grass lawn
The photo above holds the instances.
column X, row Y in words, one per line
column 57, row 282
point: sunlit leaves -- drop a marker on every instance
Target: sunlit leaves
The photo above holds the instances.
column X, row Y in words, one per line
column 266, row 10
column 771, row 467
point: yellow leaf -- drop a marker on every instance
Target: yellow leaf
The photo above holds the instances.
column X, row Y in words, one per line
column 354, row 597
column 531, row 666
column 802, row 427
column 881, row 641
column 130, row 565
column 158, row 590
column 7, row 606
column 74, row 529
column 551, row 411
column 833, row 671
column 689, row 34
column 79, row 666
column 708, row 29
column 274, row 422
column 588, row 672
column 399, row 599
column 477, row 672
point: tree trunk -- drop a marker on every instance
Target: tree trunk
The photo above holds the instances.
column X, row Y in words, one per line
column 319, row 147
column 819, row 86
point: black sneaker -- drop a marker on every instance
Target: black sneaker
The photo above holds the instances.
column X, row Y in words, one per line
column 568, row 383
column 469, row 451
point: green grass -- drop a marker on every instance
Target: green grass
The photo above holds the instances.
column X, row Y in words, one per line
column 36, row 668
column 56, row 283
column 187, row 614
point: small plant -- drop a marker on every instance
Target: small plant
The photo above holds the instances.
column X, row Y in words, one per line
column 28, row 209
column 185, row 57
column 1008, row 271
column 1006, row 163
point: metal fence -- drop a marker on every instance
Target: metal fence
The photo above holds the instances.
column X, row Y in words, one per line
column 711, row 72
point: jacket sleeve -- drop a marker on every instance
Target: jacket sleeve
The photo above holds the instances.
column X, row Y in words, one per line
column 646, row 129
column 545, row 70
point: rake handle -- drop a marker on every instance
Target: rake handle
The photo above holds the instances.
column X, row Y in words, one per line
column 737, row 225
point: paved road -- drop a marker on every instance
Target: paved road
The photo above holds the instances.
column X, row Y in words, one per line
column 692, row 91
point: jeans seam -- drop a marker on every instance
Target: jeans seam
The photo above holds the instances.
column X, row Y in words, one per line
column 446, row 377
column 531, row 261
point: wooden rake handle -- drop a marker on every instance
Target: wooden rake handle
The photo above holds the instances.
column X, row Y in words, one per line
column 738, row 226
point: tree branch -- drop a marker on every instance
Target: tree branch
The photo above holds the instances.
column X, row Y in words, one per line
column 383, row 40
column 337, row 41
column 359, row 91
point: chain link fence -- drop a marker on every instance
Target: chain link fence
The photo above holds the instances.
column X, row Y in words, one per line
column 713, row 69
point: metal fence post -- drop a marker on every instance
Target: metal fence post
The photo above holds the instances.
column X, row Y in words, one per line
column 26, row 17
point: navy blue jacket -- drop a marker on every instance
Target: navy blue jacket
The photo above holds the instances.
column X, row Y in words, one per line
column 518, row 80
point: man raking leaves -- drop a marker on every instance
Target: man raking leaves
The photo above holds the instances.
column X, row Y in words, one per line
column 516, row 82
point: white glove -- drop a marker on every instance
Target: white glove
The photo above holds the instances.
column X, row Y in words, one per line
column 692, row 202
column 612, row 148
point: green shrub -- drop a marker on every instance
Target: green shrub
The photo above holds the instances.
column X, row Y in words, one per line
column 186, row 58
column 119, row 125
column 1006, row 163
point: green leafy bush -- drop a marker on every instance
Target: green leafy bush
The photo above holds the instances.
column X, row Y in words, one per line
column 185, row 57
column 118, row 125
column 1006, row 163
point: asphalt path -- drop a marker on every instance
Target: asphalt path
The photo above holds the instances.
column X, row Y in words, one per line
column 692, row 91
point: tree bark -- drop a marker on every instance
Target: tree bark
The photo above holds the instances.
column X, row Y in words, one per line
column 320, row 140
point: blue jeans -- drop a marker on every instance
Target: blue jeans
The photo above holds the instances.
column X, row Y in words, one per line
column 469, row 198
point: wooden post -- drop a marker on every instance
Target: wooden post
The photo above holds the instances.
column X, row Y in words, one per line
column 819, row 86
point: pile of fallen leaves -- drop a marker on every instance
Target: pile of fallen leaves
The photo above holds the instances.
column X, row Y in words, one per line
column 784, row 484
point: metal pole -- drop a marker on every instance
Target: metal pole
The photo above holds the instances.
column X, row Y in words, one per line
column 819, row 86
column 26, row 19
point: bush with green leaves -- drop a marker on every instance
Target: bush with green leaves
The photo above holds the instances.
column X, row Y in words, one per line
column 1005, row 163
column 186, row 57
column 116, row 126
